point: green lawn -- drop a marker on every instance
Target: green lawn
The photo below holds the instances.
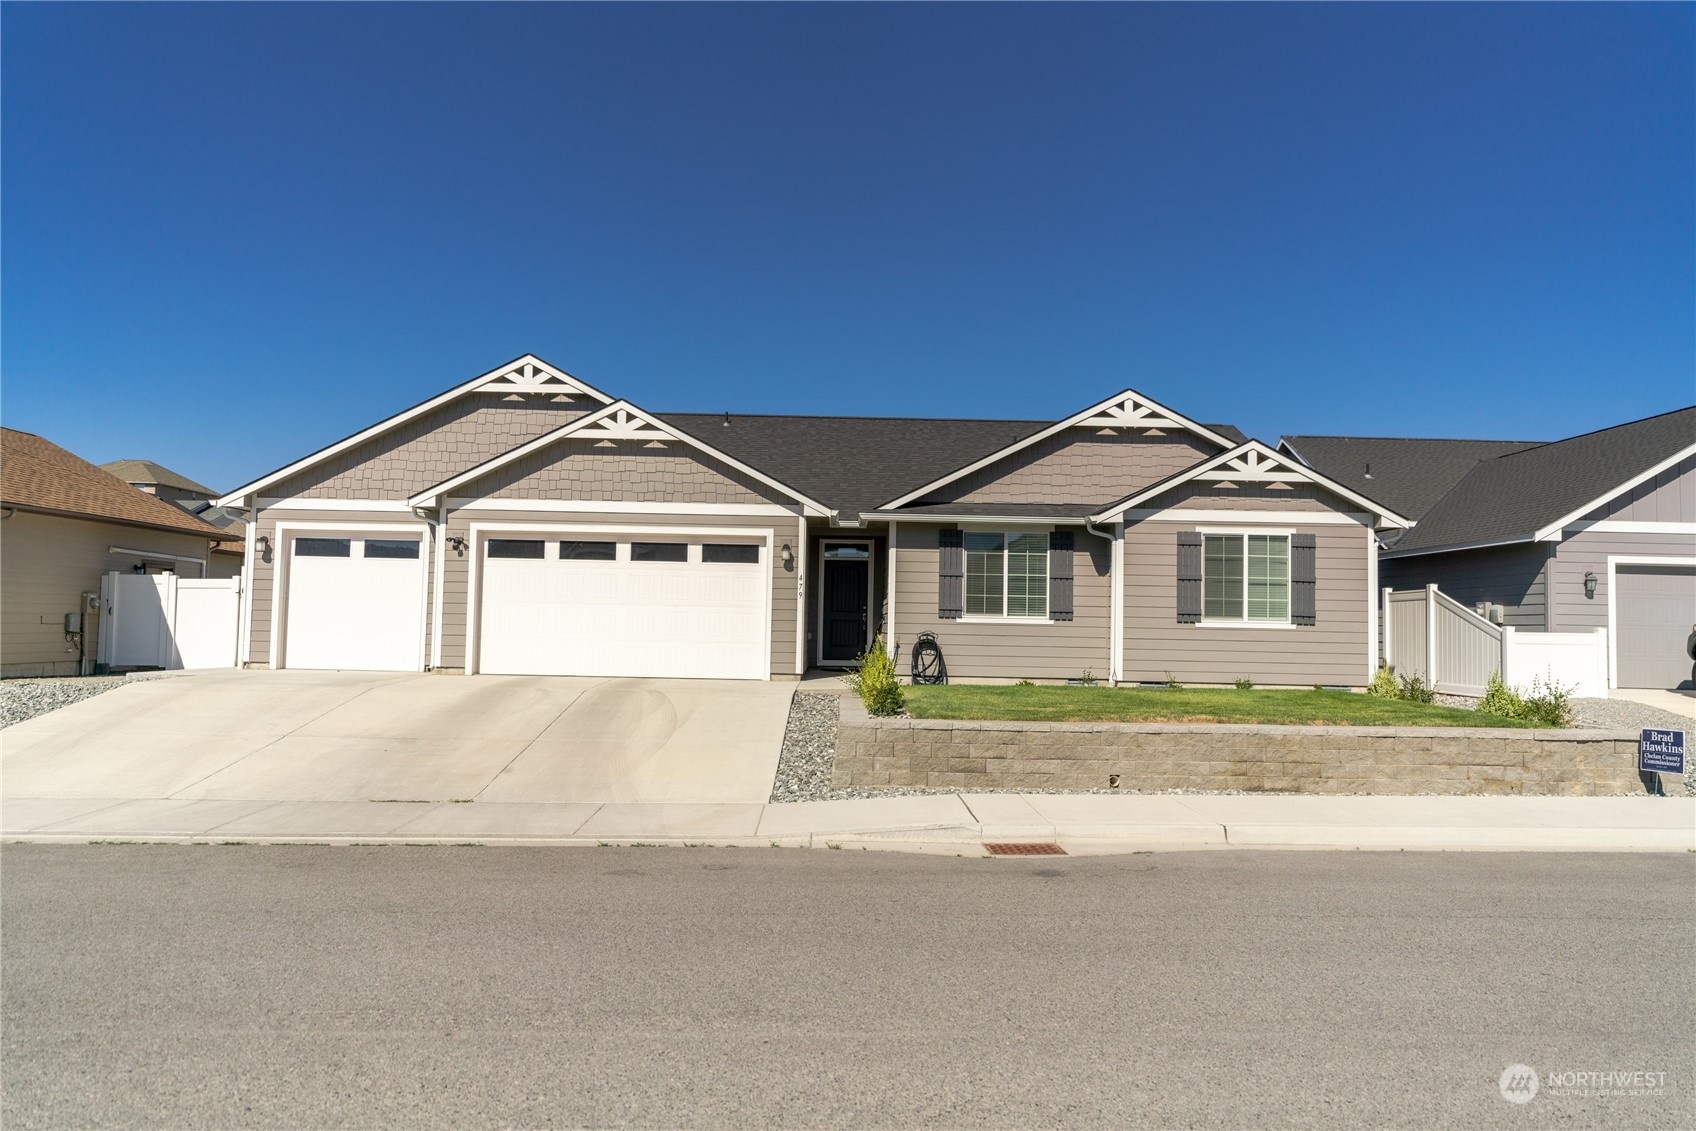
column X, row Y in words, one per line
column 1182, row 705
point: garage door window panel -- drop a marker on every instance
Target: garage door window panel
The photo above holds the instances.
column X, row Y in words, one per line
column 588, row 551
column 659, row 551
column 730, row 553
column 323, row 547
column 524, row 548
column 402, row 548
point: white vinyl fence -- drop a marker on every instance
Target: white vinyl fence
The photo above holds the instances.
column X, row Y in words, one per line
column 165, row 621
column 1452, row 648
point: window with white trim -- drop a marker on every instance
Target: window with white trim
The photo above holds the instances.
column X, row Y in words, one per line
column 1006, row 574
column 1246, row 577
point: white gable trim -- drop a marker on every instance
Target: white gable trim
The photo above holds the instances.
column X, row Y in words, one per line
column 526, row 374
column 1252, row 462
column 1552, row 532
column 619, row 420
column 1127, row 409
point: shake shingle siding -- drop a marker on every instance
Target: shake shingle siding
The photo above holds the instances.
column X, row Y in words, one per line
column 1075, row 466
column 426, row 450
column 586, row 470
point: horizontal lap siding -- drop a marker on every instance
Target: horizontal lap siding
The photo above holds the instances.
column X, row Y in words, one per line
column 46, row 564
column 1041, row 650
column 1589, row 551
column 783, row 581
column 1331, row 651
column 265, row 597
column 1515, row 577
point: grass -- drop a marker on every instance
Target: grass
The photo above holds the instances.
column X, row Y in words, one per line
column 1183, row 705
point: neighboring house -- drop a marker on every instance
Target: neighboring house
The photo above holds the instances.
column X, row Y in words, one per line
column 63, row 523
column 1596, row 531
column 161, row 481
column 525, row 522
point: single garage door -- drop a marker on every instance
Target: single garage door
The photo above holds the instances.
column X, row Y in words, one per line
column 1655, row 608
column 624, row 606
column 355, row 603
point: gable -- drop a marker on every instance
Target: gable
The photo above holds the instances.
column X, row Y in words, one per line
column 1092, row 467
column 1668, row 496
column 430, row 447
column 577, row 469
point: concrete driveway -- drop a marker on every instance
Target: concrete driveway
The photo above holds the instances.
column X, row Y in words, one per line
column 375, row 736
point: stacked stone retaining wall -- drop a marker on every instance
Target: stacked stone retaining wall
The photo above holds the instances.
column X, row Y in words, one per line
column 957, row 754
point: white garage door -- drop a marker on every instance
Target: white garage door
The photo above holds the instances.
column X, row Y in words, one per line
column 355, row 603
column 1655, row 607
column 624, row 606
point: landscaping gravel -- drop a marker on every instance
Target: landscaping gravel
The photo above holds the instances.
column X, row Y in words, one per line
column 22, row 699
column 1622, row 714
column 809, row 748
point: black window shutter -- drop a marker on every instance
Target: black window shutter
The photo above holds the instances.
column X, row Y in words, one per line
column 1302, row 548
column 950, row 573
column 1060, row 575
column 1189, row 577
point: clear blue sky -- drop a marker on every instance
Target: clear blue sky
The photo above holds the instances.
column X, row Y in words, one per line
column 233, row 233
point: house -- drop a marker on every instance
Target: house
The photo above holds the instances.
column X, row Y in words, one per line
column 1595, row 531
column 162, row 482
column 63, row 524
column 526, row 522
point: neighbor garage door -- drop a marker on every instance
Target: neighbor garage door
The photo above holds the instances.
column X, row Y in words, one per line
column 645, row 605
column 355, row 602
column 1654, row 607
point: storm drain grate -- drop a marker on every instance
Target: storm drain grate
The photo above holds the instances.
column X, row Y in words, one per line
column 1025, row 850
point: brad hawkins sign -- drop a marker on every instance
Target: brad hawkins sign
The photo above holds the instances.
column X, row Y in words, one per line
column 1660, row 751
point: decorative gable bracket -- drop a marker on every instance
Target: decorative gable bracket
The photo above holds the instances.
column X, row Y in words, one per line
column 537, row 377
column 622, row 424
column 1131, row 411
column 1255, row 466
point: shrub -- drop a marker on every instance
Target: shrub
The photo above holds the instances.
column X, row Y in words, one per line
column 1413, row 689
column 1544, row 704
column 1088, row 679
column 1244, row 684
column 1383, row 683
column 1172, row 681
column 876, row 682
column 1025, row 683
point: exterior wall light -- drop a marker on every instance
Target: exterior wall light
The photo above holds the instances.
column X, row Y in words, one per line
column 787, row 555
column 457, row 544
column 263, row 545
column 1589, row 585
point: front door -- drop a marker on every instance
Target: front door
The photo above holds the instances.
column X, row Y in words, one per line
column 846, row 601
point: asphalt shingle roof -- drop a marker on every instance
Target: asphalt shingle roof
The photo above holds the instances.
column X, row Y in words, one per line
column 146, row 471
column 1407, row 476
column 36, row 474
column 857, row 463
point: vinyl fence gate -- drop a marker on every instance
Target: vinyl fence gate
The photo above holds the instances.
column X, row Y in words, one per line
column 161, row 620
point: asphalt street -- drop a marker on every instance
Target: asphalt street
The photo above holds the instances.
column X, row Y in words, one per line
column 298, row 986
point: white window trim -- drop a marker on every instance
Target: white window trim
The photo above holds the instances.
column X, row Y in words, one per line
column 282, row 537
column 1243, row 621
column 871, row 588
column 1004, row 617
column 1614, row 561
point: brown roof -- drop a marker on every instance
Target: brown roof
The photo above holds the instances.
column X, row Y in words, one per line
column 42, row 476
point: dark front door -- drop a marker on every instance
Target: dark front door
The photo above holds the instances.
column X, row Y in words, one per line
column 847, row 598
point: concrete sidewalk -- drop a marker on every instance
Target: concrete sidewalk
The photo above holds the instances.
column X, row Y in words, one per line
column 952, row 822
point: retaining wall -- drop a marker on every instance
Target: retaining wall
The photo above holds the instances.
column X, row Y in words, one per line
column 957, row 754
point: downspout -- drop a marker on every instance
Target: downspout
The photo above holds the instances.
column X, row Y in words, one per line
column 1115, row 659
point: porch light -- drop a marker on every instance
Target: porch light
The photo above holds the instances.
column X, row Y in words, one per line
column 1589, row 584
column 263, row 544
column 787, row 555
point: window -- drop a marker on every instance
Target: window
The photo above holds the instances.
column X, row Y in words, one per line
column 1006, row 575
column 659, row 551
column 323, row 548
column 588, row 551
column 391, row 547
column 732, row 553
column 516, row 548
column 1246, row 577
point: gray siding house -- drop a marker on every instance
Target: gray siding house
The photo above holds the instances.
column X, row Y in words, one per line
column 527, row 523
column 1596, row 531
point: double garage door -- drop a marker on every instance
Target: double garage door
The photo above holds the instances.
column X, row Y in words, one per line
column 606, row 605
column 623, row 605
column 1655, row 611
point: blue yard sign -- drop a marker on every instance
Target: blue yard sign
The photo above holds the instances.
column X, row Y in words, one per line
column 1661, row 751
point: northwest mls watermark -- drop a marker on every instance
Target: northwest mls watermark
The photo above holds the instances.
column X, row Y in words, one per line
column 1520, row 1083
